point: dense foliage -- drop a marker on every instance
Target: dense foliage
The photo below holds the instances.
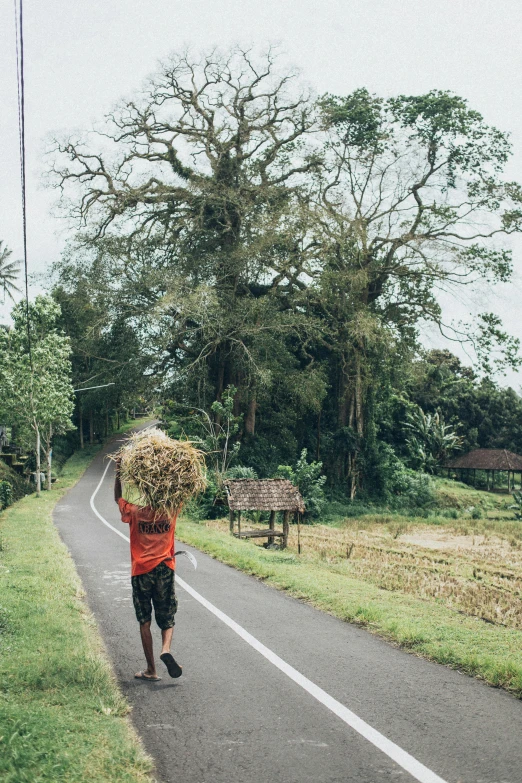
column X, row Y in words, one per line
column 236, row 233
column 35, row 378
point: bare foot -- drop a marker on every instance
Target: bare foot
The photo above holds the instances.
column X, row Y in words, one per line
column 146, row 675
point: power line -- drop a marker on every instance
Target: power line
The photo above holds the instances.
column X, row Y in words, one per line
column 19, row 27
column 103, row 385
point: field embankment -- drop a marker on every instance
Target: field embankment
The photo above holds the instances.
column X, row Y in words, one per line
column 62, row 716
column 447, row 589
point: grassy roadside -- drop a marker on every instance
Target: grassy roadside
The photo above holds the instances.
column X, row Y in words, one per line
column 430, row 629
column 62, row 716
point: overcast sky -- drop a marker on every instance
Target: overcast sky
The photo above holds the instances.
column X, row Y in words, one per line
column 82, row 57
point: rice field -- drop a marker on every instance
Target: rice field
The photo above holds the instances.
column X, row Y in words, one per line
column 472, row 566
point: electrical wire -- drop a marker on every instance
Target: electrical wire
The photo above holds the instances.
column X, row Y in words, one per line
column 19, row 27
column 87, row 388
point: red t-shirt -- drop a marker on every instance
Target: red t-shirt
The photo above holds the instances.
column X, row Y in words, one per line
column 151, row 540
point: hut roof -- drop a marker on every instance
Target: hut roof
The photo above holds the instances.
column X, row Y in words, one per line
column 263, row 495
column 487, row 459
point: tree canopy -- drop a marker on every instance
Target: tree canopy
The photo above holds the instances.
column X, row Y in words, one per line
column 35, row 377
column 236, row 231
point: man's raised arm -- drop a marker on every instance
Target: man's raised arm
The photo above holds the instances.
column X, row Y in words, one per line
column 117, row 483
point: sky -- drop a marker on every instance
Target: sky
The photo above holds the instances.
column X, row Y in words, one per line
column 83, row 57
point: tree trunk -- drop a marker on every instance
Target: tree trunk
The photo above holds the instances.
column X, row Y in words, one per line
column 38, row 463
column 342, row 413
column 351, row 415
column 80, row 427
column 250, row 419
column 220, row 381
column 91, row 427
column 352, row 475
column 106, row 419
column 358, row 400
column 318, row 447
column 49, row 456
column 117, row 418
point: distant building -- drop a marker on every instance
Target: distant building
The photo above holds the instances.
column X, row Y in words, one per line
column 490, row 461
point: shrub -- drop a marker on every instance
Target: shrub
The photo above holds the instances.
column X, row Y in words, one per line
column 19, row 485
column 6, row 494
column 393, row 483
column 349, row 509
column 212, row 503
column 241, row 472
column 450, row 513
column 477, row 513
column 413, row 490
column 517, row 505
column 306, row 476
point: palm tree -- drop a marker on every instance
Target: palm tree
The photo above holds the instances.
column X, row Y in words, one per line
column 8, row 271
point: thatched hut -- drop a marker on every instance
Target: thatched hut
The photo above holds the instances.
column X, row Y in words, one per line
column 263, row 495
column 491, row 461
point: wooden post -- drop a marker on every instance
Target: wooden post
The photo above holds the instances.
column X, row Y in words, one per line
column 231, row 522
column 239, row 524
column 286, row 529
column 298, row 533
column 271, row 521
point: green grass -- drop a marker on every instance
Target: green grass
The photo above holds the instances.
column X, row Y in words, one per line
column 427, row 628
column 455, row 494
column 62, row 716
column 453, row 508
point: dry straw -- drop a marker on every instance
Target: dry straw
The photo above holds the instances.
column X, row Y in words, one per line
column 165, row 472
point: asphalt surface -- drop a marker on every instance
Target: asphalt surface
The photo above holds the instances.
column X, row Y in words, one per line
column 234, row 717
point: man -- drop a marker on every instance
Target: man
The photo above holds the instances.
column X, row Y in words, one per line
column 153, row 564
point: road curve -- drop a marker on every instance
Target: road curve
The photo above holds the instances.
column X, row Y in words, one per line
column 309, row 699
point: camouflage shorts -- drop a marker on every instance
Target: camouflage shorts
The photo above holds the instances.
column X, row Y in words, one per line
column 157, row 587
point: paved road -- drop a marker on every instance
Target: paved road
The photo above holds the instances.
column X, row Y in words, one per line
column 235, row 717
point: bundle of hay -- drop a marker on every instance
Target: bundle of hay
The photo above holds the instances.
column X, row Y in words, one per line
column 165, row 472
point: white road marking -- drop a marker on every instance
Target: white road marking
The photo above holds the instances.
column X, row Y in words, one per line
column 401, row 757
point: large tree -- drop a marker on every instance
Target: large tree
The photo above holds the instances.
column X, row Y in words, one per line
column 35, row 378
column 254, row 237
column 205, row 177
column 410, row 201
